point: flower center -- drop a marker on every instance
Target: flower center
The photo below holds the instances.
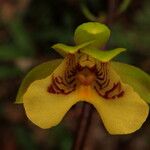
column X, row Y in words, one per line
column 86, row 76
column 84, row 70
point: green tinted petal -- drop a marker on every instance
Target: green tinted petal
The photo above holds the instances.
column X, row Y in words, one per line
column 102, row 55
column 135, row 77
column 38, row 72
column 65, row 49
column 98, row 32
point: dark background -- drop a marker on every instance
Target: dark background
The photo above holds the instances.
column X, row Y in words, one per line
column 28, row 28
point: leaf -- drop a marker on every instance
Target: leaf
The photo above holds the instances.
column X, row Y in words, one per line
column 124, row 5
column 20, row 36
column 9, row 52
column 24, row 138
column 9, row 72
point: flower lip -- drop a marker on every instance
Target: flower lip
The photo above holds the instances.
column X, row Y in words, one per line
column 83, row 70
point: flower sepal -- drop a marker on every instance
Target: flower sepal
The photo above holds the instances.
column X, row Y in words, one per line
column 135, row 77
column 39, row 72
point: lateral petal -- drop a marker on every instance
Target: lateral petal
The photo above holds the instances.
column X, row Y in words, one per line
column 63, row 49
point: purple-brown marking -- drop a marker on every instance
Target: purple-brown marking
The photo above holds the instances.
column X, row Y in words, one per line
column 96, row 76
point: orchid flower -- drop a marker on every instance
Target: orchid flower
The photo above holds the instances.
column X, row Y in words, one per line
column 118, row 91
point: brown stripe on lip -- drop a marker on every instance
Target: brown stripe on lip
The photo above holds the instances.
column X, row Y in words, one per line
column 102, row 77
column 98, row 76
column 59, row 87
column 64, row 84
column 103, row 85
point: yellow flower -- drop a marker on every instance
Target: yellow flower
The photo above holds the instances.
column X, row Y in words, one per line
column 116, row 90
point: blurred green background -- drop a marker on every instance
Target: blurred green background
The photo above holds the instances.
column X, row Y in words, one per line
column 28, row 28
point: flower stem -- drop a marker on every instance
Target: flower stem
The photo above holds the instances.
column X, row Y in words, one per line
column 83, row 126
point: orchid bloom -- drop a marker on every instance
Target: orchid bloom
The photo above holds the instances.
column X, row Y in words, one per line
column 118, row 91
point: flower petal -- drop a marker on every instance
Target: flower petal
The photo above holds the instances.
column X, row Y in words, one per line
column 47, row 109
column 38, row 72
column 124, row 114
column 135, row 77
column 102, row 55
column 63, row 49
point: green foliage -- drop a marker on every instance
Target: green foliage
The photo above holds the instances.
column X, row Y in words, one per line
column 9, row 72
column 21, row 37
column 135, row 39
column 124, row 5
column 24, row 139
column 60, row 135
column 21, row 45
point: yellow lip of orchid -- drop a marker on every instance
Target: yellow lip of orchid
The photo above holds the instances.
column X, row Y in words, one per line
column 86, row 75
